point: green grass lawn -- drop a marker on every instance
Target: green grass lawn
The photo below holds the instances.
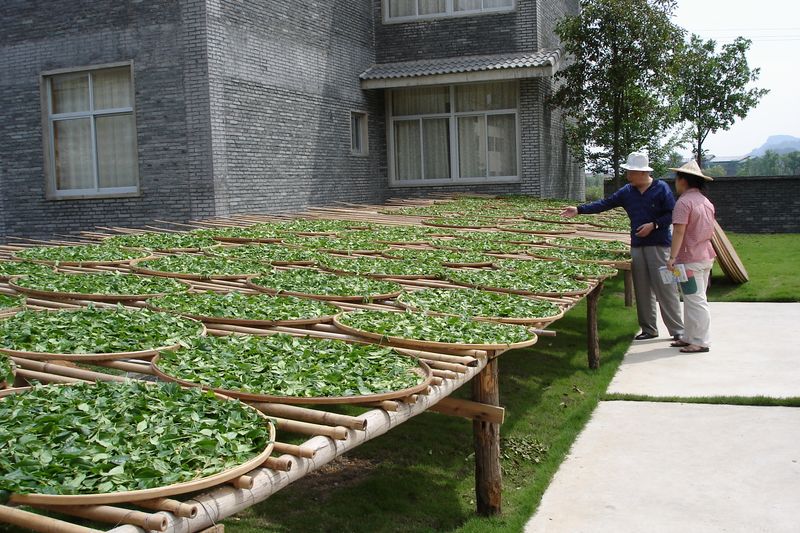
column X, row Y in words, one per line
column 419, row 476
column 772, row 262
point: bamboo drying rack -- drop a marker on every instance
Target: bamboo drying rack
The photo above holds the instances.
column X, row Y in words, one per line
column 329, row 434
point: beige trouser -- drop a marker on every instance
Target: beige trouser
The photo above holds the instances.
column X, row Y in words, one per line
column 649, row 289
column 696, row 310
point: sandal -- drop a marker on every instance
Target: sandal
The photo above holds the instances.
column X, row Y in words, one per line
column 695, row 349
column 679, row 344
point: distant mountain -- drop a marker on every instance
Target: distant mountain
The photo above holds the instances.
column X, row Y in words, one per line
column 782, row 144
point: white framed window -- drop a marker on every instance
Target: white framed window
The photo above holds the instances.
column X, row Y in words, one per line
column 408, row 10
column 455, row 134
column 90, row 132
column 359, row 140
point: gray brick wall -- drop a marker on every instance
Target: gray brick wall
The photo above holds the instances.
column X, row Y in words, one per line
column 482, row 34
column 762, row 204
column 282, row 86
column 41, row 35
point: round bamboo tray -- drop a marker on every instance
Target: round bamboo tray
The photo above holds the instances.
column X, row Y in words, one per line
column 430, row 345
column 423, row 370
column 158, row 492
column 246, row 321
column 584, row 261
column 429, row 223
column 314, row 233
column 210, row 253
column 479, row 264
column 79, row 295
column 181, row 275
column 521, row 292
column 504, row 320
column 140, row 354
column 324, row 297
column 349, row 252
column 539, row 232
column 378, row 276
column 243, row 240
column 86, row 263
column 534, row 218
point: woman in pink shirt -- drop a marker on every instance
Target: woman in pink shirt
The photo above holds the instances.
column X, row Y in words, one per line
column 693, row 226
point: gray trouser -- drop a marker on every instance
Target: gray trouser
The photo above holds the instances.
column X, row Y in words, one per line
column 647, row 284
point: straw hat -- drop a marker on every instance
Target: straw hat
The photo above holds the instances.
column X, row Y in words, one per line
column 637, row 161
column 693, row 169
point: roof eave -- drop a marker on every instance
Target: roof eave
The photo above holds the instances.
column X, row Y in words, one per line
column 463, row 77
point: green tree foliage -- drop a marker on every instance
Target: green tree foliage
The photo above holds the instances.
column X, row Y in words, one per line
column 771, row 164
column 715, row 87
column 617, row 89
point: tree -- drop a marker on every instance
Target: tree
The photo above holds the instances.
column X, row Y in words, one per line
column 717, row 171
column 617, row 88
column 771, row 164
column 715, row 87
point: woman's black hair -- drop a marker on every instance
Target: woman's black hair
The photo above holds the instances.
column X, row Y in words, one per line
column 694, row 182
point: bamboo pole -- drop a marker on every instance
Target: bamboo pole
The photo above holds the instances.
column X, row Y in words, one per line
column 282, row 463
column 310, row 415
column 41, row 523
column 181, row 509
column 114, row 515
column 33, row 375
column 293, row 449
column 307, row 428
column 138, row 368
column 242, row 482
column 469, row 409
column 61, row 370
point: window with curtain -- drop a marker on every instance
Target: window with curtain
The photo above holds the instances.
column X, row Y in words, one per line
column 92, row 133
column 451, row 133
column 419, row 9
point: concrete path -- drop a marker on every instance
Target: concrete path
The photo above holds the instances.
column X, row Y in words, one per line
column 755, row 352
column 678, row 467
column 668, row 467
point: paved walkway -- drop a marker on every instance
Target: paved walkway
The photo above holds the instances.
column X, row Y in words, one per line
column 675, row 467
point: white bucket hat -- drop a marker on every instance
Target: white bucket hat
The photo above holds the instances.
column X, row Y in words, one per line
column 637, row 161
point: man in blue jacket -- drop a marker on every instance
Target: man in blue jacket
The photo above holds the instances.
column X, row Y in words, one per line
column 649, row 204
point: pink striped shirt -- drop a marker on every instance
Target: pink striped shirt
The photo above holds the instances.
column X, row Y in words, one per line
column 697, row 212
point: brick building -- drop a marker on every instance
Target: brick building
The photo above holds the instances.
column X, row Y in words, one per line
column 120, row 112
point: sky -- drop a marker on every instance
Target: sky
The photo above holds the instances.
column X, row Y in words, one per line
column 774, row 27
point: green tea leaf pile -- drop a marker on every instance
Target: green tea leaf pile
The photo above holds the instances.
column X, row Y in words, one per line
column 308, row 281
column 462, row 222
column 558, row 268
column 21, row 268
column 112, row 437
column 94, row 331
column 6, row 372
column 379, row 266
column 244, row 306
column 267, row 253
column 476, row 303
column 538, row 227
column 590, row 244
column 448, row 329
column 439, row 257
column 249, row 233
column 82, row 253
column 580, row 255
column 323, row 226
column 284, row 365
column 203, row 265
column 162, row 241
column 110, row 283
column 352, row 242
column 10, row 302
column 518, row 280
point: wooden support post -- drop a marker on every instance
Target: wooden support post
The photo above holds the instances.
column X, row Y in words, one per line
column 628, row 274
column 486, row 439
column 592, row 336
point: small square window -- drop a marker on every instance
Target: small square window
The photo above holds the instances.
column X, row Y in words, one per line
column 359, row 145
